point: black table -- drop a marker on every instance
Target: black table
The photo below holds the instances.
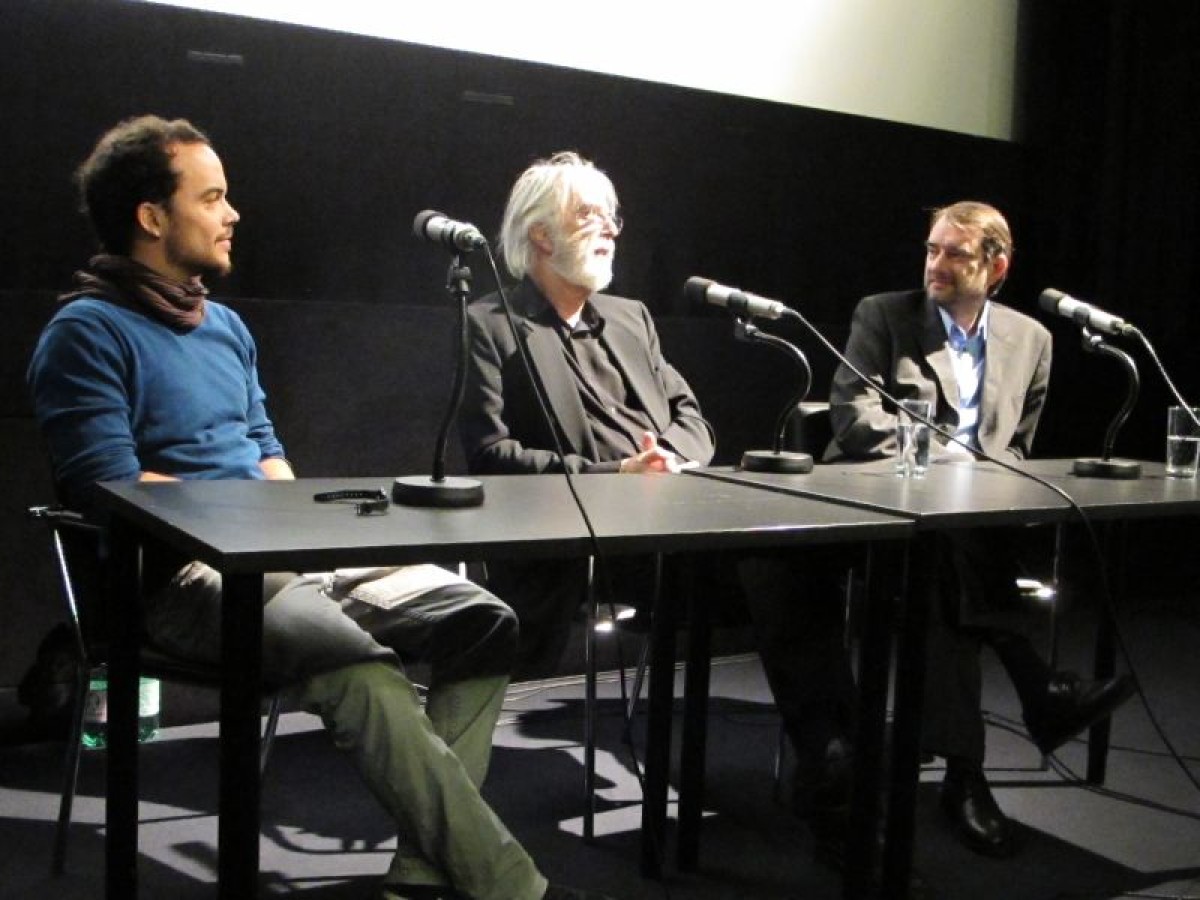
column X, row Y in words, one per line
column 243, row 529
column 954, row 494
column 1116, row 504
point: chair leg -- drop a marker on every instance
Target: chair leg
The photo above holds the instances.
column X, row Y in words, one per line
column 1056, row 583
column 268, row 734
column 784, row 762
column 639, row 679
column 589, row 708
column 70, row 771
column 1052, row 637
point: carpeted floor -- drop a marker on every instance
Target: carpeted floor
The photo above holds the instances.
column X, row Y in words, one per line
column 324, row 837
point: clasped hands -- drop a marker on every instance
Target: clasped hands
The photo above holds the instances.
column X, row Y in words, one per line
column 654, row 458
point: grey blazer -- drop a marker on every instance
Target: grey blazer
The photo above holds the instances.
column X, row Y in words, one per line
column 899, row 342
column 501, row 425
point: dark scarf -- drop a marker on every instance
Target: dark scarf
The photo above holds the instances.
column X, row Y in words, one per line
column 121, row 280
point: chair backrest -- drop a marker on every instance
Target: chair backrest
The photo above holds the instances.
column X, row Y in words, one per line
column 809, row 429
column 79, row 562
column 77, row 558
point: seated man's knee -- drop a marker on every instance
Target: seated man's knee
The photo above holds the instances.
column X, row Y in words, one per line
column 349, row 696
column 459, row 629
column 479, row 639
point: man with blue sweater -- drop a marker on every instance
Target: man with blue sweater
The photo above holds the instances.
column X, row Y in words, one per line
column 140, row 376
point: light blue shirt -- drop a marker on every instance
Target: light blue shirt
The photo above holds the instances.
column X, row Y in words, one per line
column 968, row 354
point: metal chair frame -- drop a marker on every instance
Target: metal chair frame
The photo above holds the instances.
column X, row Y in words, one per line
column 57, row 520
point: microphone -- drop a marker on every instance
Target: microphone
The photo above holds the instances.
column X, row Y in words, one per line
column 702, row 290
column 439, row 229
column 1055, row 301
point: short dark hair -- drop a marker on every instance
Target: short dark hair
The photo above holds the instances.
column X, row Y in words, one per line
column 130, row 165
column 995, row 236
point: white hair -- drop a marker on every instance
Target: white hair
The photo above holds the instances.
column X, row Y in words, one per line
column 540, row 197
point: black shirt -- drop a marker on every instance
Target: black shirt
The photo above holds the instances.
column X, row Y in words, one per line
column 613, row 411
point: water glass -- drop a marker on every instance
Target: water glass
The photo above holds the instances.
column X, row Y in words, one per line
column 912, row 437
column 1183, row 441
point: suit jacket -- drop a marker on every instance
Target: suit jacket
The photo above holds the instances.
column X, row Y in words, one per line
column 899, row 342
column 501, row 423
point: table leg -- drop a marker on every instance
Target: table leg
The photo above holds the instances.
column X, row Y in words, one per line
column 241, row 695
column 1104, row 661
column 661, row 694
column 589, row 706
column 874, row 669
column 121, row 812
column 921, row 579
column 694, row 742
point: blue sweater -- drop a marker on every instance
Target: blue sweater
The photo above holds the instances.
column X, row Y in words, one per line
column 117, row 393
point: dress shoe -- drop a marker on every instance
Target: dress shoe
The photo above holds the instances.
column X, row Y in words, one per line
column 822, row 781
column 826, row 808
column 1071, row 705
column 830, row 832
column 821, row 797
column 968, row 802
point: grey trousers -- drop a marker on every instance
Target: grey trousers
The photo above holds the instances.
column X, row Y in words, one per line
column 345, row 662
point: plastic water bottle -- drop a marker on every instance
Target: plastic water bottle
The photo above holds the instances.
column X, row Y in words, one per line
column 95, row 712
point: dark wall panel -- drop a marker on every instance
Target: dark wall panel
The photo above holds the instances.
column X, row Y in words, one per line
column 1113, row 141
column 333, row 143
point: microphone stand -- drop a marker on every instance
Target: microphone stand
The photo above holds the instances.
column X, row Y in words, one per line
column 1106, row 466
column 438, row 490
column 777, row 459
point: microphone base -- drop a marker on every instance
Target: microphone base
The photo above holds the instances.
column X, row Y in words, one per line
column 422, row 490
column 784, row 462
column 1123, row 469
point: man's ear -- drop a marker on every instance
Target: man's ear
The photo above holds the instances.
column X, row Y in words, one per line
column 150, row 218
column 539, row 236
column 999, row 269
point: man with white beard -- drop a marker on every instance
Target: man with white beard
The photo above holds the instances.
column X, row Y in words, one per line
column 617, row 405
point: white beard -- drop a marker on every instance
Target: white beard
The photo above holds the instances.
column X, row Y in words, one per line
column 575, row 262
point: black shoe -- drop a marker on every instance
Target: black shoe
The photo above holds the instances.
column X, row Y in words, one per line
column 827, row 811
column 968, row 802
column 829, row 849
column 824, row 784
column 1072, row 705
column 562, row 892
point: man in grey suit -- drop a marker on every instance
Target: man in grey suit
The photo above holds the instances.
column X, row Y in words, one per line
column 986, row 368
column 932, row 345
column 615, row 403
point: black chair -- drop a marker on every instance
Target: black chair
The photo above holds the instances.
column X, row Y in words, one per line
column 75, row 547
column 810, row 430
column 605, row 617
column 609, row 617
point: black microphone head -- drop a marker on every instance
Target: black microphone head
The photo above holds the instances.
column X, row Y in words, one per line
column 422, row 220
column 1050, row 299
column 695, row 289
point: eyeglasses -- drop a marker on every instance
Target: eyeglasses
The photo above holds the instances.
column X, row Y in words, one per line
column 598, row 215
column 953, row 254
